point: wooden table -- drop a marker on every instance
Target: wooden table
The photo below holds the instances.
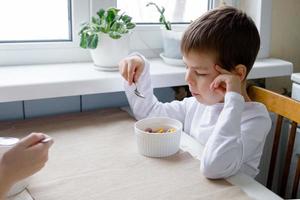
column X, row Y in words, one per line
column 95, row 157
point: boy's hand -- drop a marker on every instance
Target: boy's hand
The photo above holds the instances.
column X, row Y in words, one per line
column 24, row 159
column 226, row 82
column 131, row 68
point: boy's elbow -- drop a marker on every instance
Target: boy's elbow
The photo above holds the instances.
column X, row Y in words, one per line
column 215, row 171
column 210, row 173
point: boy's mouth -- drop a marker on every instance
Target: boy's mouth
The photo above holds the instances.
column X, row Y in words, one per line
column 194, row 94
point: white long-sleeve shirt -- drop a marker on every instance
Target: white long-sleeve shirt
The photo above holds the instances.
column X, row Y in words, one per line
column 233, row 132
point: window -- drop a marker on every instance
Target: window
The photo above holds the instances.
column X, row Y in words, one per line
column 35, row 20
column 48, row 31
column 44, row 31
column 176, row 11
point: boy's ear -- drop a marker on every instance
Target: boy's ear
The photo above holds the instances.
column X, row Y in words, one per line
column 241, row 71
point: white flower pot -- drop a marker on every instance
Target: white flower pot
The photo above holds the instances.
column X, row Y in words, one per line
column 110, row 51
column 171, row 43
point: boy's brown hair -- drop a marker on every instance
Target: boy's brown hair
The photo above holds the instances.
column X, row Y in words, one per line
column 228, row 33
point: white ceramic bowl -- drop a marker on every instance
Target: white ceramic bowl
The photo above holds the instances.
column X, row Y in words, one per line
column 158, row 144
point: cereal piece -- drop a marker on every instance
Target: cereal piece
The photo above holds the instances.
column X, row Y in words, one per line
column 171, row 130
column 160, row 130
column 149, row 130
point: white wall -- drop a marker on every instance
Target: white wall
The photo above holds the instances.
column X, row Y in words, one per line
column 285, row 38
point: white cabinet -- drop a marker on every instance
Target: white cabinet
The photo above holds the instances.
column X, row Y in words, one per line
column 296, row 86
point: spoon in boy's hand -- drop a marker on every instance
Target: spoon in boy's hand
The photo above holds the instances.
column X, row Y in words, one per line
column 45, row 140
column 137, row 93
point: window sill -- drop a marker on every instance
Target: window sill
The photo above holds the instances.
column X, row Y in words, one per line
column 19, row 83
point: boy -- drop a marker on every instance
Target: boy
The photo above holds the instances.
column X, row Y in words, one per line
column 219, row 50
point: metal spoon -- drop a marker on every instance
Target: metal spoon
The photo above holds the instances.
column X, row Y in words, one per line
column 45, row 140
column 137, row 93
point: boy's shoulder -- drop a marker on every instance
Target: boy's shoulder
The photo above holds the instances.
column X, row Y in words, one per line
column 255, row 109
column 257, row 119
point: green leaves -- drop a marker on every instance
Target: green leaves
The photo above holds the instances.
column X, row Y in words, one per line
column 126, row 18
column 101, row 13
column 130, row 25
column 162, row 18
column 89, row 41
column 108, row 22
column 83, row 41
column 111, row 14
column 114, row 35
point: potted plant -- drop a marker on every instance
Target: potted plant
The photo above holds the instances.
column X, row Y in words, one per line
column 107, row 37
column 171, row 37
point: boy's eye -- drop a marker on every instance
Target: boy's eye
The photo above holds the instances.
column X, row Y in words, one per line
column 200, row 74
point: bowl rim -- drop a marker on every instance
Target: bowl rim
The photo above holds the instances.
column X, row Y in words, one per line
column 149, row 118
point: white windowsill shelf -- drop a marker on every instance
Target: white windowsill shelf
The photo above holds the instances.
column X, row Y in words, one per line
column 19, row 83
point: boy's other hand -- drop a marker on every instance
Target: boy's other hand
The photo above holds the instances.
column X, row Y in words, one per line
column 226, row 82
column 24, row 159
column 131, row 68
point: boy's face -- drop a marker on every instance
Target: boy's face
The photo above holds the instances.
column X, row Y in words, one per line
column 200, row 74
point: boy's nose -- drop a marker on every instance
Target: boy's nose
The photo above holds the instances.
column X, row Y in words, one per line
column 188, row 78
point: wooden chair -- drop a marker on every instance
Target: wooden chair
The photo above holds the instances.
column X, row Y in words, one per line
column 284, row 107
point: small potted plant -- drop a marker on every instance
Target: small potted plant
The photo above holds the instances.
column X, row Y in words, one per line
column 107, row 37
column 171, row 37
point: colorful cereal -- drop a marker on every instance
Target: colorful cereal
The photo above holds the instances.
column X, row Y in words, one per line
column 160, row 130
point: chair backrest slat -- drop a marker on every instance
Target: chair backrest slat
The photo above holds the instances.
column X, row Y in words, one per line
column 274, row 151
column 296, row 180
column 288, row 157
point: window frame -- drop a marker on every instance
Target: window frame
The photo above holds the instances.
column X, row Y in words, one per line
column 69, row 51
column 49, row 52
column 70, row 35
